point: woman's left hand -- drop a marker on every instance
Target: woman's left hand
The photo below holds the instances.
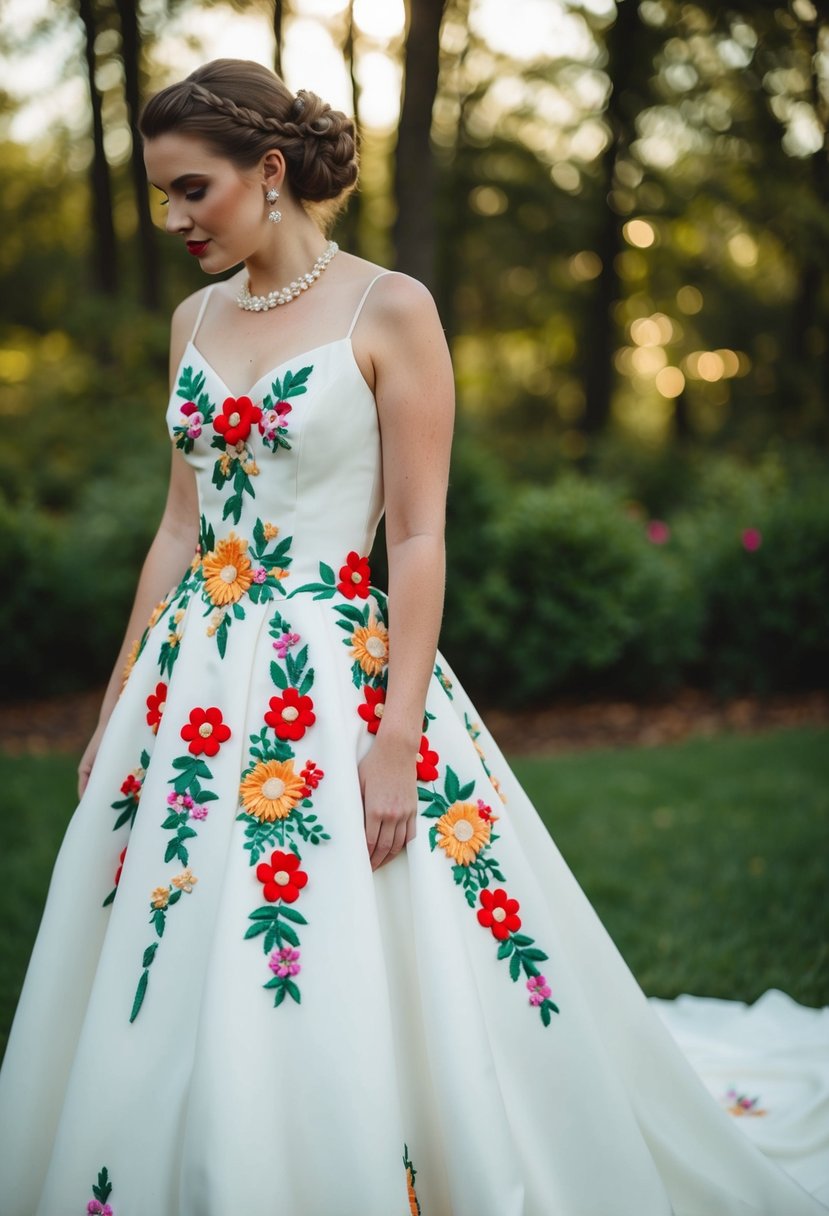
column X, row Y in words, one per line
column 388, row 783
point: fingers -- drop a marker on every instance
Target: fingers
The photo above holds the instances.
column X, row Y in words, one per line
column 391, row 834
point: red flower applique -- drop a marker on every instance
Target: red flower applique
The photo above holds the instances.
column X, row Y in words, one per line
column 131, row 786
column 290, row 714
column 205, row 731
column 499, row 913
column 355, row 577
column 237, row 417
column 427, row 762
column 120, row 865
column 155, row 706
column 312, row 776
column 281, row 877
column 372, row 710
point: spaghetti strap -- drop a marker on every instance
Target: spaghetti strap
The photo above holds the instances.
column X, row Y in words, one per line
column 205, row 298
column 359, row 308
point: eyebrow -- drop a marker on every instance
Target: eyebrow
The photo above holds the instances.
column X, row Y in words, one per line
column 180, row 181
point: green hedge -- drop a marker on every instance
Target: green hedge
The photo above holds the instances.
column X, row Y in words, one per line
column 551, row 589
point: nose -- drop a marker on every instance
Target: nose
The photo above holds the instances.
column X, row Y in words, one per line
column 177, row 218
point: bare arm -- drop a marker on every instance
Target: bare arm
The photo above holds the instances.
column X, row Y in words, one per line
column 168, row 556
column 415, row 400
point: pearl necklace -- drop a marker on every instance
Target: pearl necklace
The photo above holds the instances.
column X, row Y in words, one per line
column 274, row 298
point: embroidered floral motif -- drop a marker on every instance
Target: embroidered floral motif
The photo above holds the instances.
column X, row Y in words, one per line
column 464, row 830
column 197, row 411
column 232, row 427
column 205, row 731
column 355, row 577
column 291, row 714
column 276, row 407
column 161, row 900
column 271, row 789
column 111, row 895
column 102, row 1190
column 132, row 658
column 237, row 416
column 233, row 570
column 275, row 799
column 444, row 681
column 131, row 789
column 740, row 1104
column 371, row 711
column 411, row 1174
column 427, row 762
column 370, row 648
column 227, row 571
column 156, row 702
column 473, row 729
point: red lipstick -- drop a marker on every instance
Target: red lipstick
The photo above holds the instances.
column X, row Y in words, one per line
column 197, row 248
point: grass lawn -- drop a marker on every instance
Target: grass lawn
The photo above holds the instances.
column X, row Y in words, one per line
column 706, row 860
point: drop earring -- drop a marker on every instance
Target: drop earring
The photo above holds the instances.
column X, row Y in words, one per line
column 272, row 196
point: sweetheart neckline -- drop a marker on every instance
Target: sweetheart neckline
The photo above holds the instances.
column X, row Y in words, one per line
column 303, row 354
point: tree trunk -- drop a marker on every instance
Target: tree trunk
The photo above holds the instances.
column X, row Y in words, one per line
column 415, row 176
column 349, row 224
column 598, row 373
column 277, row 36
column 131, row 53
column 103, row 247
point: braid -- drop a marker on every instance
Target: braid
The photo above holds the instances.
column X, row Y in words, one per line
column 241, row 114
column 252, row 118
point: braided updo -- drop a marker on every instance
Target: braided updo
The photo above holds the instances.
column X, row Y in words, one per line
column 242, row 109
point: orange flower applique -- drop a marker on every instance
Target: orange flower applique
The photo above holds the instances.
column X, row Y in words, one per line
column 227, row 571
column 271, row 790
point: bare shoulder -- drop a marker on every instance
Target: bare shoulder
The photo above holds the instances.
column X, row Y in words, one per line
column 398, row 299
column 182, row 324
column 185, row 313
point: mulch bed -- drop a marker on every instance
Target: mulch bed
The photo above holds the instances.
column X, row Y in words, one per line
column 64, row 724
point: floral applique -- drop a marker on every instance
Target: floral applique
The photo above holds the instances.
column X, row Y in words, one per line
column 232, row 426
column 156, row 703
column 131, row 789
column 367, row 635
column 464, row 830
column 102, row 1189
column 275, row 799
column 741, row 1105
column 411, row 1174
column 233, row 569
column 273, row 424
column 196, row 412
column 204, row 732
column 473, row 729
column 112, row 893
column 444, row 681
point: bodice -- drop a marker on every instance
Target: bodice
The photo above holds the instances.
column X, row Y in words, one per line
column 290, row 473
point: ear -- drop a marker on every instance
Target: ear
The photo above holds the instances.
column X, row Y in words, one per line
column 273, row 168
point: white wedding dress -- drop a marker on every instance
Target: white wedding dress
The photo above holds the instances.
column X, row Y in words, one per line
column 227, row 1011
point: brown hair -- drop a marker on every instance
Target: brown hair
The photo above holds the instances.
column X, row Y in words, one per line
column 242, row 109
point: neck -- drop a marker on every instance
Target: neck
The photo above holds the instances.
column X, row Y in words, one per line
column 279, row 261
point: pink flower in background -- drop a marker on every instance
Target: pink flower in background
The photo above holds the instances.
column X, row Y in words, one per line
column 657, row 531
column 259, row 574
column 752, row 538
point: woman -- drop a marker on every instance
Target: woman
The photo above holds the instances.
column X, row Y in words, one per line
column 246, row 993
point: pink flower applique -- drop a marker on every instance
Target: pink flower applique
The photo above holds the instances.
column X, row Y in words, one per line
column 283, row 645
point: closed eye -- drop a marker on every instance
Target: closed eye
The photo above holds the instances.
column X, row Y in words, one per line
column 192, row 197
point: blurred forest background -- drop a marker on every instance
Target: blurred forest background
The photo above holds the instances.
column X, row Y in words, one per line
column 623, row 211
